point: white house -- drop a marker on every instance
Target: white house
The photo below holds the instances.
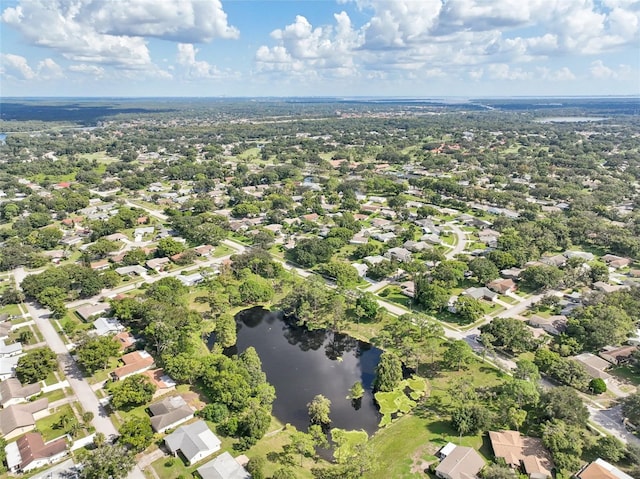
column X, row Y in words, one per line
column 194, row 442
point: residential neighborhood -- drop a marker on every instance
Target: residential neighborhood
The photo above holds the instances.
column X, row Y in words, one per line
column 473, row 320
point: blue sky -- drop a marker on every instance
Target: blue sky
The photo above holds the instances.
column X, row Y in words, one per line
column 426, row 48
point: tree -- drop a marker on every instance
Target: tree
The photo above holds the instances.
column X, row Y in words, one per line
column 131, row 391
column 597, row 386
column 497, row 471
column 356, row 391
column 255, row 467
column 319, row 410
column 134, row 256
column 301, row 444
column 565, row 404
column 283, row 473
column 312, row 251
column 107, row 462
column 522, row 392
column 225, row 330
column 168, row 290
column 183, row 367
column 609, row 448
column 631, row 407
column 366, row 307
column 600, row 325
column 469, row 309
column 36, row 365
column 169, row 247
column 483, row 269
column 541, row 277
column 449, row 273
column 509, row 334
column 388, row 372
column 255, row 289
column 526, row 370
column 136, row 433
column 11, row 295
column 471, row 418
column 431, row 295
column 458, row 352
column 94, row 352
column 344, row 274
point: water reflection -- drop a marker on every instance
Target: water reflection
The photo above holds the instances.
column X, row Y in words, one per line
column 301, row 364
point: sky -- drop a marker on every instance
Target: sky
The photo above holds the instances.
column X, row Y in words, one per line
column 248, row 48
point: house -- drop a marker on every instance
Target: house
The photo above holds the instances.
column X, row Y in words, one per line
column 601, row 469
column 616, row 262
column 557, row 260
column 460, row 463
column 191, row 279
column 594, row 365
column 89, row 310
column 169, row 413
column 522, row 452
column 117, row 237
column 157, row 264
column 31, row 452
column 511, row 273
column 10, row 350
column 17, row 419
column 71, row 240
column 125, row 339
column 408, row 288
column 607, row 288
column 415, row 246
column 193, row 441
column 555, row 325
column 140, row 232
column 480, row 293
column 13, row 392
column 163, row 382
column 579, row 254
column 204, row 250
column 400, row 254
column 8, row 367
column 361, row 269
column 384, row 237
column 105, row 326
column 223, row 467
column 131, row 270
column 618, row 355
column 502, row 286
column 134, row 363
column 374, row 259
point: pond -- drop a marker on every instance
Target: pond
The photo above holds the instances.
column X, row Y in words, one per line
column 301, row 364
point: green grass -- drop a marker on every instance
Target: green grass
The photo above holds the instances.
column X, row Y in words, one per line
column 393, row 295
column 408, row 441
column 222, row 250
column 55, row 395
column 626, row 373
column 46, row 425
column 11, row 309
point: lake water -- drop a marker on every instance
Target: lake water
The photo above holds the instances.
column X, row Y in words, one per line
column 301, row 364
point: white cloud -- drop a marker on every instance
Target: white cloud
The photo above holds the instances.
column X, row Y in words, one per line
column 92, row 70
column 17, row 67
column 193, row 69
column 562, row 74
column 183, row 21
column 114, row 32
column 502, row 71
column 600, row 71
column 304, row 49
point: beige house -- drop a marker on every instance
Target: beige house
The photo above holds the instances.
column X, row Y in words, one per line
column 460, row 463
column 522, row 452
column 19, row 418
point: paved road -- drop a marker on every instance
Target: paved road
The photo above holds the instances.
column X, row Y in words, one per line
column 80, row 387
column 611, row 420
column 461, row 245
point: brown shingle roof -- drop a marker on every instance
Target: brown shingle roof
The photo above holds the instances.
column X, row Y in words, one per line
column 33, row 447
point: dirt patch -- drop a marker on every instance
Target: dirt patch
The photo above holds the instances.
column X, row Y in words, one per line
column 419, row 465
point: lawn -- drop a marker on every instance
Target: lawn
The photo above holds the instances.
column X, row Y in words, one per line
column 406, row 447
column 393, row 295
column 627, row 374
column 222, row 250
column 11, row 310
column 47, row 425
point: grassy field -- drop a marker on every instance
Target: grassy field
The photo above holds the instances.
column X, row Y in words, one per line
column 47, row 425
